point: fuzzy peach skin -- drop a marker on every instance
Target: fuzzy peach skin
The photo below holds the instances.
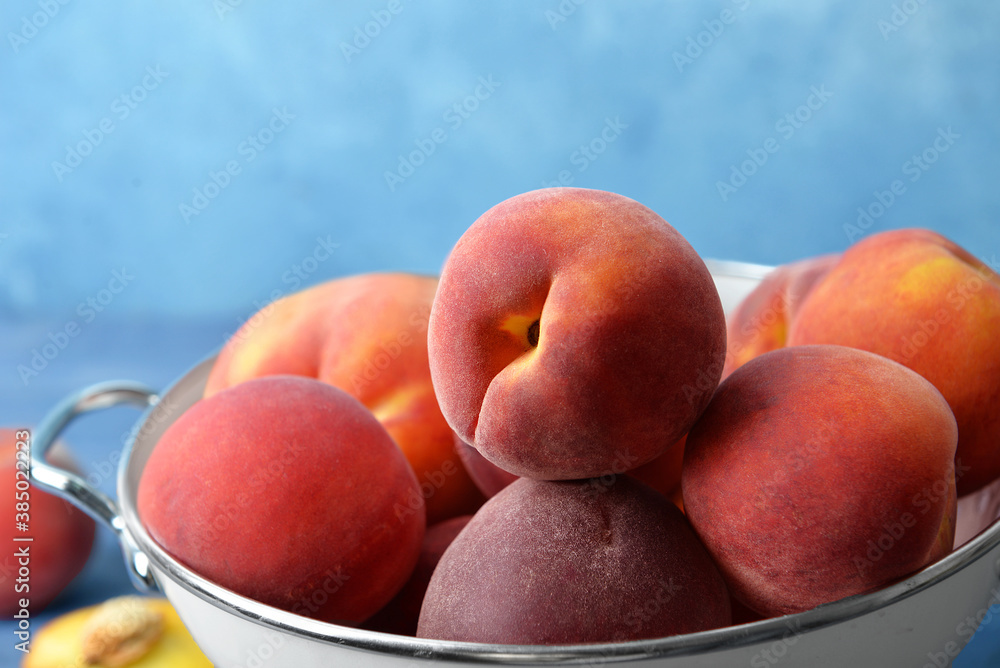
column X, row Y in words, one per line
column 820, row 472
column 662, row 474
column 489, row 477
column 62, row 536
column 558, row 562
column 401, row 614
column 916, row 297
column 573, row 328
column 286, row 490
column 976, row 512
column 367, row 335
column 761, row 321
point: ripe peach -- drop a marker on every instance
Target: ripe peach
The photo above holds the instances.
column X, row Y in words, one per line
column 571, row 329
column 367, row 335
column 819, row 472
column 662, row 474
column 285, row 489
column 559, row 562
column 61, row 536
column 976, row 511
column 489, row 477
column 760, row 322
column 916, row 297
column 400, row 615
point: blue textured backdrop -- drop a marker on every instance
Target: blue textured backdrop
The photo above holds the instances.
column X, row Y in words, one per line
column 170, row 167
column 352, row 112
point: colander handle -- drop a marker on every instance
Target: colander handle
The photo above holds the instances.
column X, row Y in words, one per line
column 72, row 487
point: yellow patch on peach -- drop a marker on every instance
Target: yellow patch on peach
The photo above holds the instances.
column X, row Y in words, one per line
column 629, row 322
column 395, row 402
column 927, row 277
column 367, row 335
column 916, row 297
column 519, row 326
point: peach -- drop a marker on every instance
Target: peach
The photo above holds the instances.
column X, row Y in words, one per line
column 761, row 321
column 286, row 490
column 61, row 536
column 976, row 512
column 573, row 329
column 820, row 472
column 742, row 614
column 489, row 477
column 132, row 631
column 367, row 335
column 662, row 474
column 915, row 297
column 556, row 562
column 400, row 615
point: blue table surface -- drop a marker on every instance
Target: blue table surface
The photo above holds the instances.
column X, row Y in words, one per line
column 156, row 353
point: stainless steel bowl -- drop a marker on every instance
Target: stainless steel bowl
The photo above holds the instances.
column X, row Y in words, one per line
column 924, row 620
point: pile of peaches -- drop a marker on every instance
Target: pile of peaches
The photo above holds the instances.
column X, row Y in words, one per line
column 562, row 440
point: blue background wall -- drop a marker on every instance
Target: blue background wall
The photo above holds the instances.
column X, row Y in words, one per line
column 140, row 104
column 224, row 71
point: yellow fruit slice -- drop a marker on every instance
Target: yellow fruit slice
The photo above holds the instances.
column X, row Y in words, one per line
column 132, row 631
